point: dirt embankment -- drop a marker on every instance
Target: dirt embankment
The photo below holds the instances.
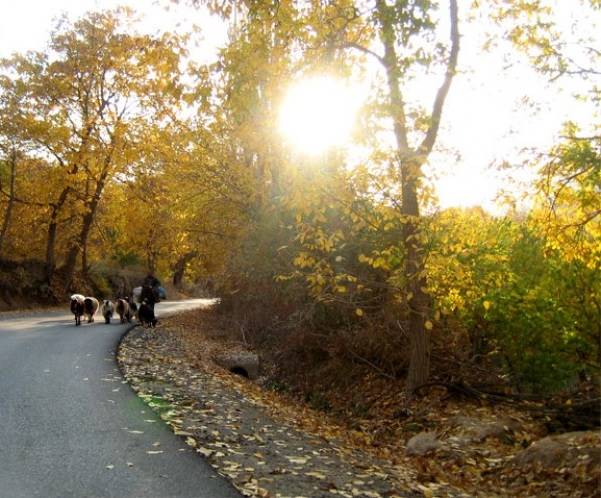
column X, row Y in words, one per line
column 363, row 440
column 23, row 285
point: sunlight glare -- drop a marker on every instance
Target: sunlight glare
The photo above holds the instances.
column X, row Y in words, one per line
column 467, row 187
column 318, row 113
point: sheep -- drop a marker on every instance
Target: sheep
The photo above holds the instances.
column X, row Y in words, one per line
column 90, row 307
column 108, row 308
column 133, row 308
column 123, row 310
column 146, row 315
column 77, row 307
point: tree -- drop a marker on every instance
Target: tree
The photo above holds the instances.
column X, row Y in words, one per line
column 398, row 26
column 15, row 146
column 92, row 106
column 567, row 207
column 12, row 164
column 324, row 34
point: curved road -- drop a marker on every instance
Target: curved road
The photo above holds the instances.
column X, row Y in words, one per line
column 71, row 427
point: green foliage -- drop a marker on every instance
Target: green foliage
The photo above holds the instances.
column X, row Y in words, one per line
column 102, row 287
column 537, row 311
column 529, row 310
column 568, row 205
column 126, row 258
column 543, row 321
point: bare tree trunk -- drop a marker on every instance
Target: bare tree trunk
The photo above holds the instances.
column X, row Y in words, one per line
column 180, row 267
column 52, row 231
column 411, row 161
column 11, row 198
column 410, row 169
column 88, row 219
column 417, row 299
column 84, row 241
column 84, row 255
column 84, row 260
column 151, row 253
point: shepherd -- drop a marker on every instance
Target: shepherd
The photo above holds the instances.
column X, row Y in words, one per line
column 150, row 290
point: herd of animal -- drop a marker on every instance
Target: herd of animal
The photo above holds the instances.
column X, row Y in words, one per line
column 87, row 307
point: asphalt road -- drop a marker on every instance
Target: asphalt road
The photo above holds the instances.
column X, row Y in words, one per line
column 71, row 427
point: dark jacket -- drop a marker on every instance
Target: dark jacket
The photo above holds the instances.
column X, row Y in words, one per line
column 151, row 281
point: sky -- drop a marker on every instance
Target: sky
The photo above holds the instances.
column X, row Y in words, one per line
column 26, row 24
column 486, row 119
column 495, row 110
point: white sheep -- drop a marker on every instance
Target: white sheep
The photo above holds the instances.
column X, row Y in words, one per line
column 77, row 307
column 123, row 310
column 90, row 307
column 108, row 309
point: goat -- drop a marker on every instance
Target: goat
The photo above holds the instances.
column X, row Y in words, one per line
column 108, row 308
column 90, row 307
column 77, row 307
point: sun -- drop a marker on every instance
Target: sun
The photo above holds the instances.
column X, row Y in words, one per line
column 318, row 113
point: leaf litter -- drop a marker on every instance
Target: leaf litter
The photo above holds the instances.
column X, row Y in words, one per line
column 264, row 447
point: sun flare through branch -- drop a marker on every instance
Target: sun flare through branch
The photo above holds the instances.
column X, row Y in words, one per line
column 318, row 113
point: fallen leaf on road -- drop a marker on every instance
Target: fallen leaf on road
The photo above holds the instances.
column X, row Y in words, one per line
column 206, row 452
column 181, row 433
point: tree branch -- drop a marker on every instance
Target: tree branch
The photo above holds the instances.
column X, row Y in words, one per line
column 365, row 50
column 428, row 143
column 22, row 201
column 390, row 61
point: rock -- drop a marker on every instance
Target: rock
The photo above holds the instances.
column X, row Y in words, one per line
column 422, row 443
column 476, row 430
column 562, row 450
column 245, row 363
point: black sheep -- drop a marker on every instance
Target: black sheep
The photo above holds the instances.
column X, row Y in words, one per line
column 146, row 315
